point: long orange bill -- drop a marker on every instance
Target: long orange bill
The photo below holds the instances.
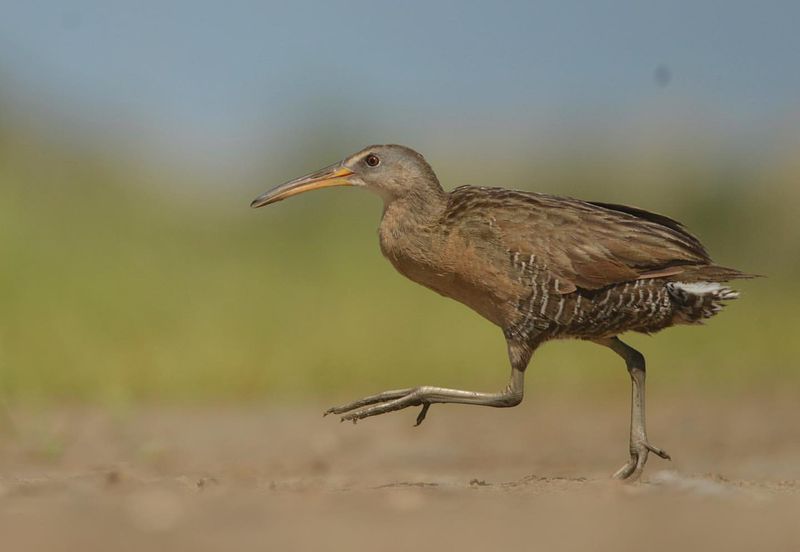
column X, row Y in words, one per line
column 334, row 175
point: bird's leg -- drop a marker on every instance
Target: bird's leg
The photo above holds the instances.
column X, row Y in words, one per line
column 639, row 446
column 424, row 396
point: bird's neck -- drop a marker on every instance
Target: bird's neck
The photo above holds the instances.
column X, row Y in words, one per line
column 415, row 209
column 408, row 230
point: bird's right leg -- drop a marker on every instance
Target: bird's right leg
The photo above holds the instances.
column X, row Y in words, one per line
column 639, row 445
column 424, row 396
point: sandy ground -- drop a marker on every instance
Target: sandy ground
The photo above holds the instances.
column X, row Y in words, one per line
column 284, row 478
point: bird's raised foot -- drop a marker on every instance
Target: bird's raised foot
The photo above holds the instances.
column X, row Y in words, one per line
column 374, row 405
column 371, row 399
column 632, row 470
column 424, row 396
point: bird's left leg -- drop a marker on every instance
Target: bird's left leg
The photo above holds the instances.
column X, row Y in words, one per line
column 639, row 446
column 424, row 396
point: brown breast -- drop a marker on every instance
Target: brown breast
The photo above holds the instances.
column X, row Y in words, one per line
column 461, row 266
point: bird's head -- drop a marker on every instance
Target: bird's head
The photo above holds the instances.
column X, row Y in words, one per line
column 391, row 171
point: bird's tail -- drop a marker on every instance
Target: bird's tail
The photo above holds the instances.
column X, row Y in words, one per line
column 696, row 301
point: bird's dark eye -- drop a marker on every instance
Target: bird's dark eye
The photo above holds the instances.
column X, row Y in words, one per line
column 372, row 160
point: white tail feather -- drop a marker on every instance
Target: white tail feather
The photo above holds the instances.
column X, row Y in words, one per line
column 699, row 300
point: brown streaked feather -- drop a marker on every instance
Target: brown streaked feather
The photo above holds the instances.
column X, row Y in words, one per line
column 581, row 244
column 662, row 273
column 654, row 217
column 713, row 273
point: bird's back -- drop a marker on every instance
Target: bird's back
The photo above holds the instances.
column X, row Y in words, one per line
column 542, row 265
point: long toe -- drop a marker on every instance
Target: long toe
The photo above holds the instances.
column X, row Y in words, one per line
column 658, row 452
column 343, row 408
column 371, row 399
column 382, row 408
column 632, row 470
column 625, row 471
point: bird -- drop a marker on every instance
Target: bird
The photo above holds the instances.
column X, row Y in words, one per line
column 540, row 267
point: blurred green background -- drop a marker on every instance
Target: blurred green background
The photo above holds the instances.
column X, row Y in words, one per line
column 133, row 268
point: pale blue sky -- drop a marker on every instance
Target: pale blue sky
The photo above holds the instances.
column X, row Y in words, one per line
column 212, row 75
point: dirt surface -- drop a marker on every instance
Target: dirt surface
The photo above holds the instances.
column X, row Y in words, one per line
column 284, row 478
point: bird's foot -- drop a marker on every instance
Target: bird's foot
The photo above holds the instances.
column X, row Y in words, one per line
column 424, row 396
column 632, row 470
column 374, row 405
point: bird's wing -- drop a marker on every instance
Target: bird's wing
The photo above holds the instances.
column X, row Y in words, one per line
column 580, row 244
